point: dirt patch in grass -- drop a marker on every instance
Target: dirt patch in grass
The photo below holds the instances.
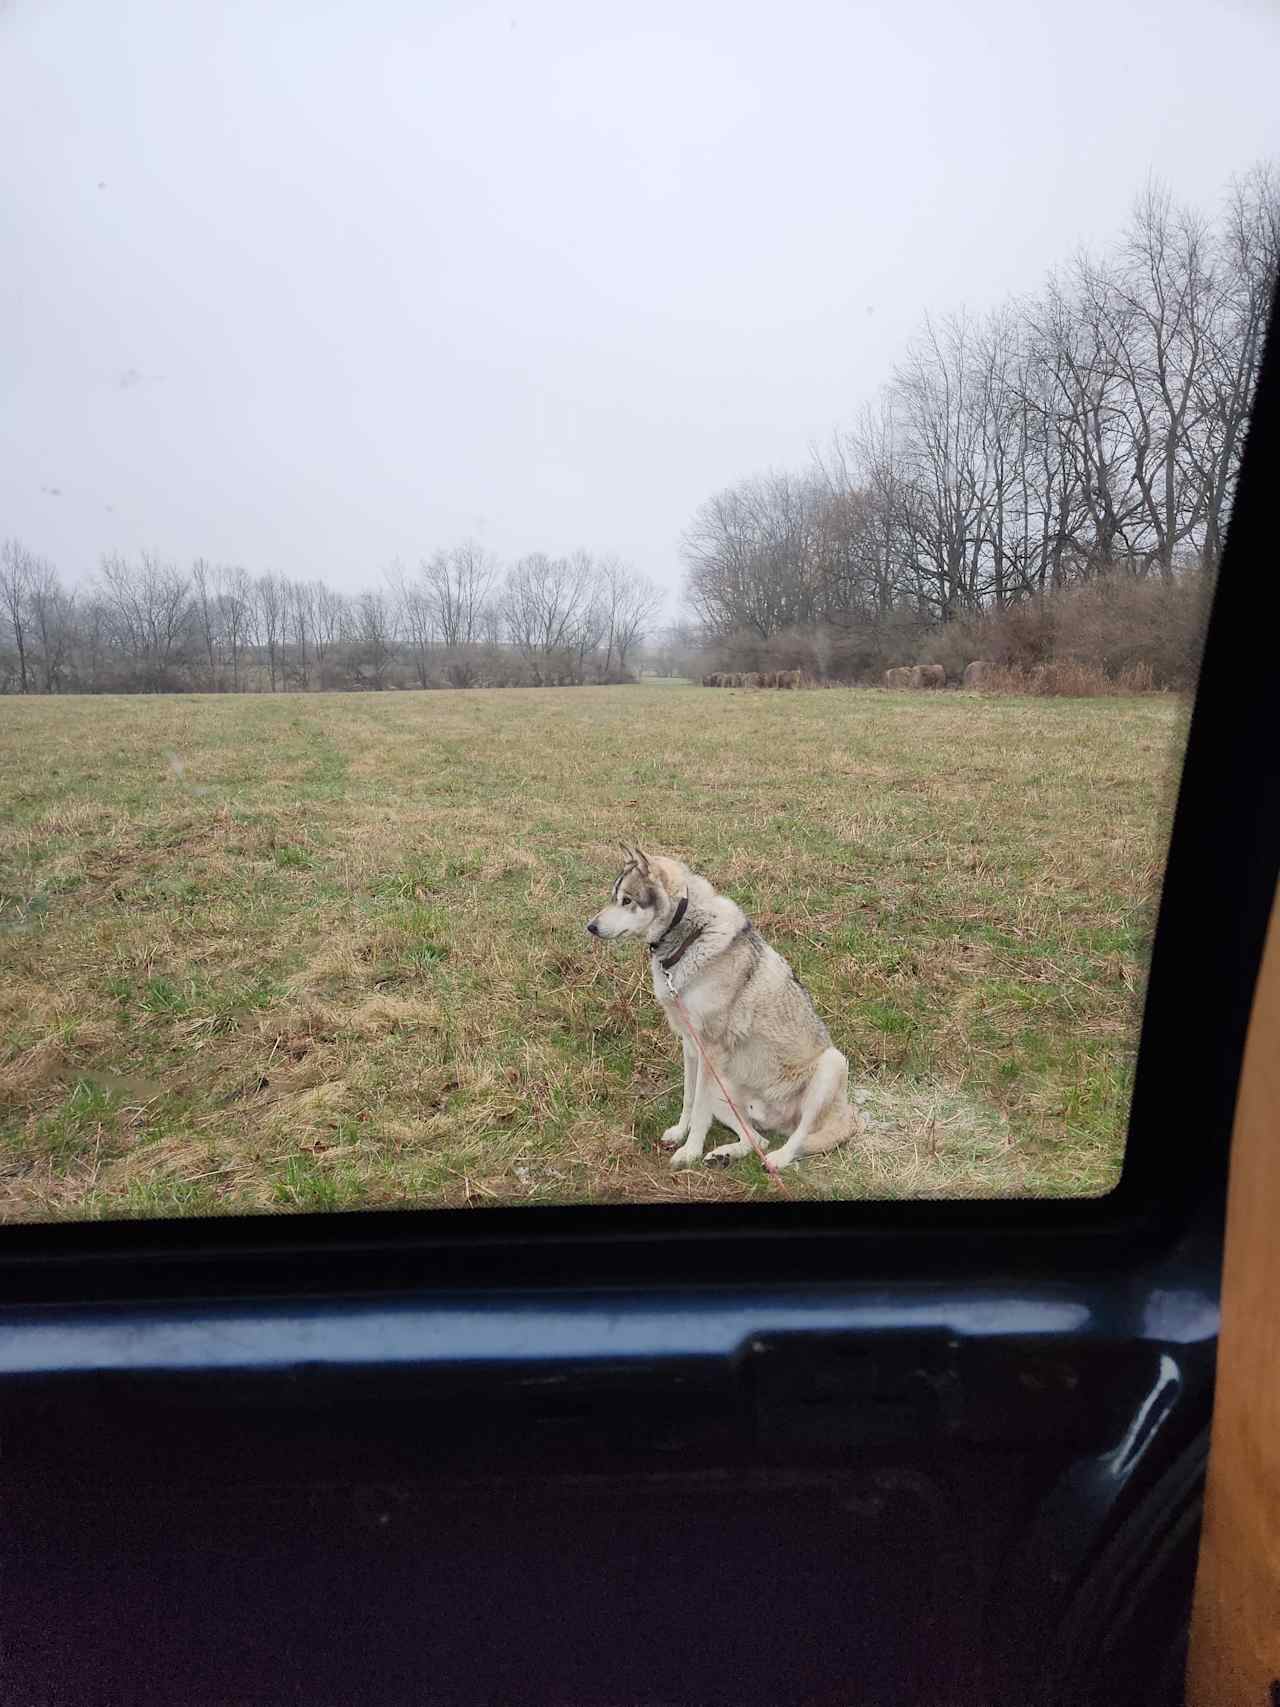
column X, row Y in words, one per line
column 298, row 953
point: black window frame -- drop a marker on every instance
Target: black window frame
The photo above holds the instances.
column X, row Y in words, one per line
column 1219, row 884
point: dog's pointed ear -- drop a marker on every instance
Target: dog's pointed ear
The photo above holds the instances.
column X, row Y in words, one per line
column 642, row 861
column 629, row 852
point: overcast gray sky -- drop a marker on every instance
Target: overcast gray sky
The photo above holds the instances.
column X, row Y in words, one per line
column 310, row 287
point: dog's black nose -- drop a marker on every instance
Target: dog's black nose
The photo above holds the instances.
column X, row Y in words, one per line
column 592, row 927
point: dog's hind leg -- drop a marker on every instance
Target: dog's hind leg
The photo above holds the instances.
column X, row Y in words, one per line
column 826, row 1116
column 692, row 1067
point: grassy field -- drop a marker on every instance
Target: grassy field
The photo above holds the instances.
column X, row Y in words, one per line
column 324, row 952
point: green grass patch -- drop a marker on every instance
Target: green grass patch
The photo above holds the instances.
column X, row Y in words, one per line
column 335, row 956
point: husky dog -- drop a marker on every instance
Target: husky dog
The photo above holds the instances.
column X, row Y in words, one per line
column 753, row 1016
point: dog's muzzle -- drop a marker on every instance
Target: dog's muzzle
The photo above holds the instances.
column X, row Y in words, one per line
column 593, row 928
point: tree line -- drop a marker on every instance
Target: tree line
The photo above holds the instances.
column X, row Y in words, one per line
column 1091, row 430
column 1089, row 433
column 460, row 619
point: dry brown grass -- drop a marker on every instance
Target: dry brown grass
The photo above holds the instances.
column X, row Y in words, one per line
column 1067, row 678
column 291, row 952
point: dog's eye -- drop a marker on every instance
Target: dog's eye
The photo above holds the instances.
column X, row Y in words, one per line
column 627, row 901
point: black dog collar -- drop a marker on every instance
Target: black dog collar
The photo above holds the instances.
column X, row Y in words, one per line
column 680, row 912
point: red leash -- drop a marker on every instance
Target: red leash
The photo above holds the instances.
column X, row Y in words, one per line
column 748, row 1129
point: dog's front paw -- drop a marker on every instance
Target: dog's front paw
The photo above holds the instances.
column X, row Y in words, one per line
column 780, row 1158
column 686, row 1157
column 674, row 1135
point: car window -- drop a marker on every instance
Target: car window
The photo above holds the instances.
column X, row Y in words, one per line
column 602, row 610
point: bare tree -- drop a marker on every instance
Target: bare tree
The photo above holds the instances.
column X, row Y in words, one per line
column 1052, row 435
column 544, row 600
column 1087, row 424
column 585, row 633
column 205, row 579
column 152, row 610
column 415, row 619
column 750, row 554
column 457, row 584
column 299, row 628
column 93, row 634
column 1161, row 304
column 269, row 623
column 235, row 598
column 491, row 627
column 373, row 639
column 52, row 620
column 870, row 473
column 330, row 624
column 629, row 603
column 1249, row 257
column 938, row 404
column 15, row 587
